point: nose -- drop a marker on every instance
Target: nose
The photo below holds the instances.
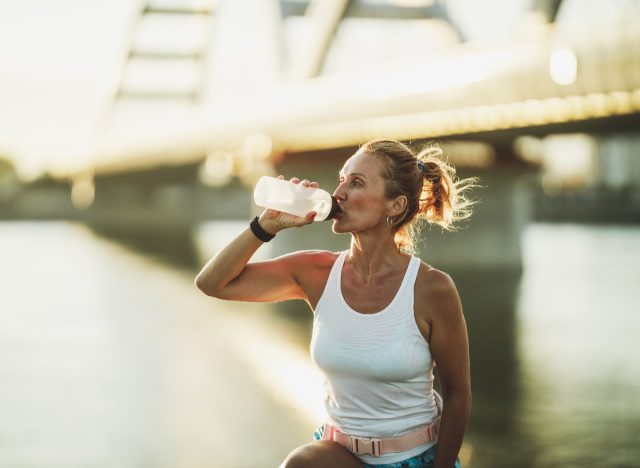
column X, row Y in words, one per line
column 340, row 193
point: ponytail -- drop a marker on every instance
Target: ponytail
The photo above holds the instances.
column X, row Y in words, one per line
column 429, row 183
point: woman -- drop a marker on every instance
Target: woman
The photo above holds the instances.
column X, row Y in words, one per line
column 382, row 318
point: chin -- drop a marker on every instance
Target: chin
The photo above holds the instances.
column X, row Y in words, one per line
column 337, row 228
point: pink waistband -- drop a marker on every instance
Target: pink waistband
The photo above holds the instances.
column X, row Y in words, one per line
column 380, row 446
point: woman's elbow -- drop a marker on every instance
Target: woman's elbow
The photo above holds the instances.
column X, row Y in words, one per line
column 462, row 394
column 202, row 284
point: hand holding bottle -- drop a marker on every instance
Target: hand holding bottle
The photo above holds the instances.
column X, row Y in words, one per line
column 291, row 203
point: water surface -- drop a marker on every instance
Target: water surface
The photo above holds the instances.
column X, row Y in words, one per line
column 110, row 357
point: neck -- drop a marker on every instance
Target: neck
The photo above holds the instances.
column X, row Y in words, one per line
column 371, row 254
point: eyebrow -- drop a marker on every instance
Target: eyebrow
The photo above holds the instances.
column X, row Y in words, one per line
column 354, row 174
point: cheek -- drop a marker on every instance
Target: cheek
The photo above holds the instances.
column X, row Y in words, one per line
column 363, row 201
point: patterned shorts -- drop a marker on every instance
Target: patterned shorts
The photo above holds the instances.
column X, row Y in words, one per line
column 422, row 460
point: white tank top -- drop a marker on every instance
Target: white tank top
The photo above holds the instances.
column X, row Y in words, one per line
column 378, row 367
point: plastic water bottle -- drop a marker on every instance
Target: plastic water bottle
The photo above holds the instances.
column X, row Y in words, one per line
column 295, row 199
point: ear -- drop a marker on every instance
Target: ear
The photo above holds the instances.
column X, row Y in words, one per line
column 398, row 205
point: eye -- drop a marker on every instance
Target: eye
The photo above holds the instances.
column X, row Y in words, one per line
column 356, row 183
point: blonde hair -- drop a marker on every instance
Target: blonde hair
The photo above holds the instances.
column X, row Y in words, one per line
column 429, row 183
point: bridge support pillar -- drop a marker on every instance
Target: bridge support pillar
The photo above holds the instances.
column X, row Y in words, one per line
column 490, row 239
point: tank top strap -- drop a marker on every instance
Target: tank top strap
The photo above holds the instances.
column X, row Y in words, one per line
column 336, row 270
column 406, row 293
column 412, row 270
column 332, row 286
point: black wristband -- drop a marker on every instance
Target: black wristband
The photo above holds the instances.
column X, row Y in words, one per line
column 260, row 233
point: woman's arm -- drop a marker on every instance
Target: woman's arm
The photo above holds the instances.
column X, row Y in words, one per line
column 229, row 275
column 450, row 349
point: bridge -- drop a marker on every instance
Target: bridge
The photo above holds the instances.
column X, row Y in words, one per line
column 294, row 87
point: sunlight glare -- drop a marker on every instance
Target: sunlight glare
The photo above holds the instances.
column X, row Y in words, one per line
column 563, row 66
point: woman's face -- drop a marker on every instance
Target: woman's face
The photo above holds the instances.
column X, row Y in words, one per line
column 361, row 195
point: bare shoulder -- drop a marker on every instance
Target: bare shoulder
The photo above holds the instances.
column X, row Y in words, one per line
column 436, row 294
column 431, row 281
column 310, row 259
column 311, row 268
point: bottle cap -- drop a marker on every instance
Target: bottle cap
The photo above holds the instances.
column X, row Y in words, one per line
column 335, row 209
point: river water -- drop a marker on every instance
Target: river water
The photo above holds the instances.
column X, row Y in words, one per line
column 102, row 338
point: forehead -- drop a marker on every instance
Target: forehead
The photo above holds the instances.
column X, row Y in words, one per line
column 362, row 163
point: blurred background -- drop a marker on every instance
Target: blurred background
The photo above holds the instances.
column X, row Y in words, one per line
column 132, row 132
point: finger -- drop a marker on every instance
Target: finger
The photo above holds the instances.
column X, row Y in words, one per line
column 280, row 177
column 310, row 216
column 314, row 184
column 295, row 180
column 305, row 182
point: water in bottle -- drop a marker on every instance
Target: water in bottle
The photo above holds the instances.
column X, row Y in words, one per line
column 295, row 199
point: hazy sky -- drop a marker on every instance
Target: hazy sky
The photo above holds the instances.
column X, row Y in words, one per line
column 56, row 57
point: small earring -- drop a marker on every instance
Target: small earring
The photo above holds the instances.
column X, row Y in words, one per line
column 389, row 221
